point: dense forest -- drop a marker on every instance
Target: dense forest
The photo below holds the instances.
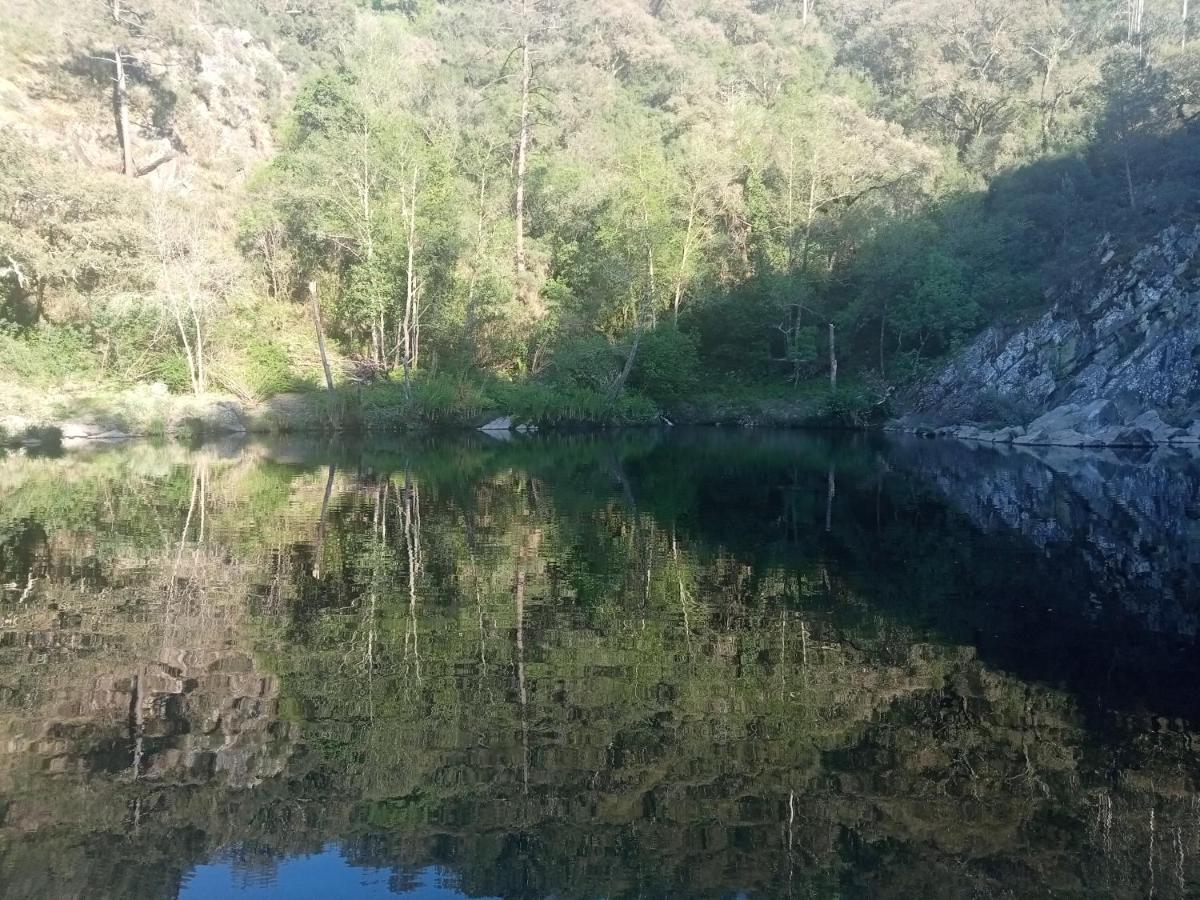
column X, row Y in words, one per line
column 571, row 209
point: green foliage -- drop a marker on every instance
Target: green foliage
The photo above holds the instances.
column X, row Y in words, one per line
column 59, row 233
column 851, row 406
column 873, row 174
column 269, row 370
column 44, row 355
column 571, row 405
column 667, row 365
column 588, row 362
column 172, row 370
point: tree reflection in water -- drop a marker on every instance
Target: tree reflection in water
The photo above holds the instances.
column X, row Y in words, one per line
column 637, row 665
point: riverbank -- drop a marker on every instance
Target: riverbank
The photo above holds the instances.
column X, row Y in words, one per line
column 31, row 417
column 430, row 403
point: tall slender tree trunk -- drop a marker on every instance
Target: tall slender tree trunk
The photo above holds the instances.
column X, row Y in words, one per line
column 121, row 108
column 189, row 350
column 411, row 511
column 137, row 722
column 472, row 285
column 523, row 140
column 121, row 101
column 618, row 385
column 526, row 554
column 1046, row 112
column 409, row 324
column 198, row 347
column 319, row 543
column 830, row 490
column 1136, row 16
column 683, row 261
column 316, row 314
column 1183, row 19
column 832, row 360
column 812, row 212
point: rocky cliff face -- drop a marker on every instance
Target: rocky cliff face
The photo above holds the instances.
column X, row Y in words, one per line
column 1113, row 365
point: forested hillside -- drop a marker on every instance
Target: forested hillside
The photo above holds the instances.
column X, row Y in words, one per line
column 578, row 210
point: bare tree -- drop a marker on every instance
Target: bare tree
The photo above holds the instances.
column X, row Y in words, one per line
column 192, row 278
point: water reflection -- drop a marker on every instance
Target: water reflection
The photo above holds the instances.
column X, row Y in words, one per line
column 645, row 665
column 317, row 877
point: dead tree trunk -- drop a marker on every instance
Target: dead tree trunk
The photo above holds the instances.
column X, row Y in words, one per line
column 319, row 544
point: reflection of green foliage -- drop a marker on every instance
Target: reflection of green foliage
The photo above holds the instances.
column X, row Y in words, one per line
column 630, row 666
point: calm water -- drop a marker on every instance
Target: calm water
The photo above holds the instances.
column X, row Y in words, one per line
column 644, row 665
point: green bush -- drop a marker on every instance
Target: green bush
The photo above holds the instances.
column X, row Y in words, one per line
column 269, row 369
column 172, row 370
column 667, row 364
column 585, row 361
column 45, row 354
column 854, row 407
column 547, row 404
column 447, row 399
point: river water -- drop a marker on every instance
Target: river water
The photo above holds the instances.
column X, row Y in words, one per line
column 646, row 664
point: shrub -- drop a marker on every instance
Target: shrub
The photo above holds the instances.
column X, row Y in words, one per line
column 45, row 354
column 172, row 370
column 667, row 364
column 269, row 370
column 855, row 407
column 446, row 399
column 584, row 361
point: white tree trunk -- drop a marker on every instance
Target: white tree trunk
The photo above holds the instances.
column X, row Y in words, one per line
column 523, row 140
column 833, row 365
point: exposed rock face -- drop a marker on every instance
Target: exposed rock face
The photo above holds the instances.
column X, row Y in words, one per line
column 1113, row 366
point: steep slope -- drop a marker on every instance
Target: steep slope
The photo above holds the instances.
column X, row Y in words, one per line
column 128, row 129
column 1113, row 364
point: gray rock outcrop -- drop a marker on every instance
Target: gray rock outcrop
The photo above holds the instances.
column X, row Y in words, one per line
column 1110, row 366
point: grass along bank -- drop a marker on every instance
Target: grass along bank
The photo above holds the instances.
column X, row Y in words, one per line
column 425, row 402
